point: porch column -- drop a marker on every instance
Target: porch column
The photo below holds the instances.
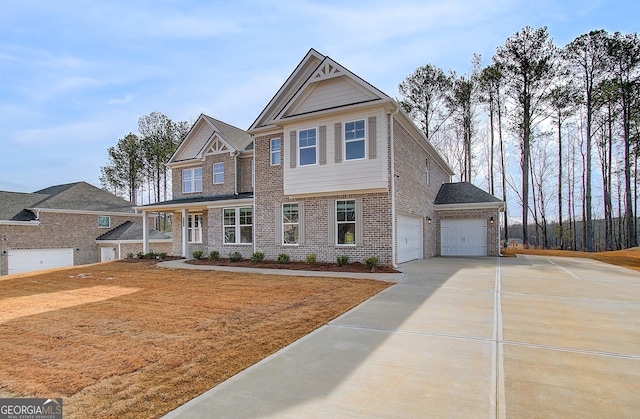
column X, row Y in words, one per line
column 185, row 233
column 145, row 233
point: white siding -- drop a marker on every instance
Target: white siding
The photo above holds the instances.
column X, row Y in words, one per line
column 195, row 142
column 329, row 94
column 355, row 175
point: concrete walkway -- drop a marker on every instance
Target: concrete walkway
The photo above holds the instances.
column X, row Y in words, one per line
column 485, row 337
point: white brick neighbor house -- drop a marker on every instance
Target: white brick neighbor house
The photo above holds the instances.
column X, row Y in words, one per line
column 331, row 166
column 66, row 225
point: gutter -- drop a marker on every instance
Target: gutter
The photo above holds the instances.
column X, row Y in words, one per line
column 393, row 190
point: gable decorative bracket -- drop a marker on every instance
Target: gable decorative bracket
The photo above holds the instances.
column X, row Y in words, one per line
column 326, row 71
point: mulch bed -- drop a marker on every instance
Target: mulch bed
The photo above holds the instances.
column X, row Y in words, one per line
column 299, row 266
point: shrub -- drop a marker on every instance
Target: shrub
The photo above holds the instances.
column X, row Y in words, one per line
column 150, row 255
column 283, row 258
column 372, row 262
column 214, row 255
column 235, row 257
column 197, row 254
column 162, row 255
column 130, row 255
column 257, row 257
column 312, row 258
column 342, row 259
column 140, row 255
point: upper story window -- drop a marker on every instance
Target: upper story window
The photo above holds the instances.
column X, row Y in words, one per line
column 307, row 144
column 354, row 140
column 104, row 221
column 192, row 180
column 276, row 151
column 218, row 173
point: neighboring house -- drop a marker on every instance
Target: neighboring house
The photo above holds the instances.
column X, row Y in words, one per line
column 331, row 166
column 58, row 226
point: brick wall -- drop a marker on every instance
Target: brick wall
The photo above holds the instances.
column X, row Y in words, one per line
column 60, row 230
column 269, row 196
column 413, row 195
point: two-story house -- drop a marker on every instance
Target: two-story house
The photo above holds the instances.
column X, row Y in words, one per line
column 331, row 166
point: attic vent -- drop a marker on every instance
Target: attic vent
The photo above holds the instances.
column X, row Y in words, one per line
column 326, row 71
column 217, row 147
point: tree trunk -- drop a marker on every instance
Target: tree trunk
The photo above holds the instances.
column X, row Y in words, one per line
column 560, row 229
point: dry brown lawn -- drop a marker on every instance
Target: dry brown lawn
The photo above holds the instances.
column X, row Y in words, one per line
column 129, row 339
column 628, row 258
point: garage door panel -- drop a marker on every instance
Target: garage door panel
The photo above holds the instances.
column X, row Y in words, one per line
column 28, row 260
column 409, row 238
column 463, row 237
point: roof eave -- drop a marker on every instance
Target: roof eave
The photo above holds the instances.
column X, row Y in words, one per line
column 470, row 205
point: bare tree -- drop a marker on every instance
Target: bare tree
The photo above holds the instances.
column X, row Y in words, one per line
column 527, row 60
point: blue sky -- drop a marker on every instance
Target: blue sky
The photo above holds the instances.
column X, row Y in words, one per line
column 75, row 76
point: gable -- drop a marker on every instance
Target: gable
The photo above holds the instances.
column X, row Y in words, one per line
column 216, row 146
column 209, row 136
column 194, row 142
column 302, row 72
column 328, row 93
column 325, row 85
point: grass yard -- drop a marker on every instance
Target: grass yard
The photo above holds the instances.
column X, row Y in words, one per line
column 628, row 258
column 129, row 339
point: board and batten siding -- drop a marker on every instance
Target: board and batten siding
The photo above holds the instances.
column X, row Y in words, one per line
column 333, row 176
column 331, row 93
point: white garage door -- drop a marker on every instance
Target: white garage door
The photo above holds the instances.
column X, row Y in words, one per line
column 409, row 238
column 463, row 237
column 27, row 260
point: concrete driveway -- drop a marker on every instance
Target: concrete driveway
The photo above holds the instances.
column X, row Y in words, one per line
column 477, row 337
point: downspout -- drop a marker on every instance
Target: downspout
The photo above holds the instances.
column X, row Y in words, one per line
column 235, row 171
column 393, row 190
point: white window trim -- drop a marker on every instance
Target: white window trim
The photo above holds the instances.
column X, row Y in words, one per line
column 218, row 173
column 108, row 221
column 272, row 152
column 237, row 226
column 193, row 180
column 337, row 223
column 283, row 224
column 428, row 171
column 345, row 141
column 192, row 218
column 301, row 148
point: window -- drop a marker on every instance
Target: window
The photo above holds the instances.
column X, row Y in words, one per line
column 238, row 225
column 354, row 141
column 307, row 145
column 218, row 173
column 276, row 151
column 194, row 228
column 104, row 221
column 192, row 180
column 428, row 172
column 346, row 222
column 290, row 223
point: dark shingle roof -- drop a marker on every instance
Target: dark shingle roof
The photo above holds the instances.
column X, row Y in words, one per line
column 132, row 231
column 13, row 203
column 236, row 137
column 82, row 196
column 463, row 193
column 72, row 196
